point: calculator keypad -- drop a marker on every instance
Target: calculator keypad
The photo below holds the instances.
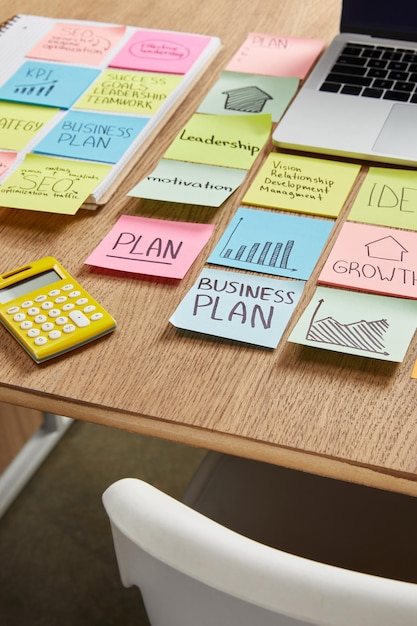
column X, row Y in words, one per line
column 50, row 315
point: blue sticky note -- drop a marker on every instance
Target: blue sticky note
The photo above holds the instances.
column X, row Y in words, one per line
column 91, row 136
column 242, row 307
column 47, row 84
column 272, row 243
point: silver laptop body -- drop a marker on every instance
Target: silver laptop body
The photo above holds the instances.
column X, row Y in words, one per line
column 327, row 118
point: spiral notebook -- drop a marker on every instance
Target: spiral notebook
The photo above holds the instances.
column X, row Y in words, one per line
column 113, row 85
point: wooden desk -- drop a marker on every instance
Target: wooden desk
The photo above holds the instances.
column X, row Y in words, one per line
column 341, row 416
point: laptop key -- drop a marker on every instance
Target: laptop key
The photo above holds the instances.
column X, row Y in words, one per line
column 332, row 87
column 369, row 92
column 399, row 96
column 351, row 90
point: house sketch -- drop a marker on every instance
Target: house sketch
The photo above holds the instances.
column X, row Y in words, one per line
column 249, row 99
column 387, row 248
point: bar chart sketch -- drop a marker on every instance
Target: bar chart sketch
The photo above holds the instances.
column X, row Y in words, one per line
column 272, row 243
column 267, row 253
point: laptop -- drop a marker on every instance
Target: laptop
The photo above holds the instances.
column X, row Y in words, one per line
column 360, row 100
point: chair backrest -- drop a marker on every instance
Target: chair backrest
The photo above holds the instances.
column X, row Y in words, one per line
column 193, row 571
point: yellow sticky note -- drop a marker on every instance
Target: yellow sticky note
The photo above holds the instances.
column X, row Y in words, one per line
column 51, row 185
column 137, row 93
column 387, row 197
column 19, row 123
column 302, row 184
column 224, row 140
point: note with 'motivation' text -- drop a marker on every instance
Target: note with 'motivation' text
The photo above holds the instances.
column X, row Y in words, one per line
column 303, row 184
column 363, row 324
column 237, row 93
column 135, row 93
column 150, row 246
column 373, row 258
column 51, row 185
column 387, row 197
column 161, row 51
column 251, row 309
column 91, row 136
column 272, row 243
column 19, row 123
column 189, row 183
column 83, row 44
column 227, row 141
column 276, row 55
column 6, row 161
column 47, row 84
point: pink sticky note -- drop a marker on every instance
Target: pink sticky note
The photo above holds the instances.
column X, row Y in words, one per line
column 276, row 55
column 375, row 259
column 86, row 44
column 6, row 160
column 150, row 246
column 160, row 51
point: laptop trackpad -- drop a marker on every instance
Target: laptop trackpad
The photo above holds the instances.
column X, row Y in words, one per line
column 399, row 133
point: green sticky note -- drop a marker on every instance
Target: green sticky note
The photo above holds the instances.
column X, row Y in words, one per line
column 302, row 184
column 387, row 197
column 224, row 140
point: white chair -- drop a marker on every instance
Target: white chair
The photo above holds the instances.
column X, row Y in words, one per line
column 193, row 571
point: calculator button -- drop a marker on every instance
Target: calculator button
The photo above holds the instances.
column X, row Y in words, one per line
column 68, row 328
column 54, row 334
column 40, row 341
column 47, row 305
column 47, row 326
column 54, row 292
column 54, row 313
column 26, row 325
column 96, row 316
column 79, row 318
column 60, row 299
column 89, row 309
column 34, row 332
column 33, row 310
column 67, row 287
column 40, row 298
column 19, row 317
column 27, row 304
column 61, row 320
column 74, row 294
column 68, row 306
column 82, row 301
column 40, row 319
column 12, row 310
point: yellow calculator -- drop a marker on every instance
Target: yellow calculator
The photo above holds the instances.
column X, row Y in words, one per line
column 48, row 312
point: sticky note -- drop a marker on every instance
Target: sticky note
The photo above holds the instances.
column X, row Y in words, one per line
column 135, row 93
column 276, row 55
column 161, row 51
column 236, row 93
column 272, row 243
column 377, row 327
column 19, row 123
column 51, row 185
column 91, row 136
column 6, row 160
column 151, row 246
column 242, row 307
column 189, row 183
column 373, row 258
column 223, row 140
column 302, row 184
column 387, row 197
column 78, row 43
column 47, row 84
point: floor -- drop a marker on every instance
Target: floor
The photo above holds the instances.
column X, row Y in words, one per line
column 57, row 564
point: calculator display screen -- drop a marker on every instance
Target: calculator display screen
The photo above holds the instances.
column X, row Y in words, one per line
column 27, row 285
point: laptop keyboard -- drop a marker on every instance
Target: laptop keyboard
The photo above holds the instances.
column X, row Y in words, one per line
column 374, row 72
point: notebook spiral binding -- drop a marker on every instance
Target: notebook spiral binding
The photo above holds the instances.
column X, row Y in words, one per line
column 6, row 25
